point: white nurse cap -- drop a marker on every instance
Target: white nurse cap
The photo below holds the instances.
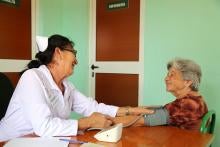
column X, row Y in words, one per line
column 42, row 43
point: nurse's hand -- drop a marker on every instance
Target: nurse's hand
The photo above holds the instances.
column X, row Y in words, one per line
column 96, row 120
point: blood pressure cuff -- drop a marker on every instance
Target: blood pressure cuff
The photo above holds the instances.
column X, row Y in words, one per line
column 159, row 117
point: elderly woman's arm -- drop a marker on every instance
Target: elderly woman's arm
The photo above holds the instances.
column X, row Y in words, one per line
column 126, row 120
column 124, row 111
column 159, row 116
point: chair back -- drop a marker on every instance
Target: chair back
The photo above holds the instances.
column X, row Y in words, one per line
column 6, row 91
column 208, row 122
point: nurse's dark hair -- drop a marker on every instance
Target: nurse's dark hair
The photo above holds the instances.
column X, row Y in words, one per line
column 45, row 57
column 189, row 69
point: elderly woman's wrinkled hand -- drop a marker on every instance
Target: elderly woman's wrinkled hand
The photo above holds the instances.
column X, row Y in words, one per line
column 140, row 110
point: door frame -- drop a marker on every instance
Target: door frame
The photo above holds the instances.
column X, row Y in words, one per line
column 117, row 67
column 17, row 65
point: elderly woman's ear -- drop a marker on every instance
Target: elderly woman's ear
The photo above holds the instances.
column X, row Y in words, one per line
column 188, row 83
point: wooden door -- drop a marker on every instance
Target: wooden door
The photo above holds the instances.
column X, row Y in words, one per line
column 15, row 28
column 116, row 52
column 17, row 40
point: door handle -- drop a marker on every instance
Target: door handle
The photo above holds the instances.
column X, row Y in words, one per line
column 93, row 67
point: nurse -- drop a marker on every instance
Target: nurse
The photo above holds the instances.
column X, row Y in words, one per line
column 44, row 99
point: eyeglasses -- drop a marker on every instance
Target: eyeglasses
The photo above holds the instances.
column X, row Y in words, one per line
column 71, row 50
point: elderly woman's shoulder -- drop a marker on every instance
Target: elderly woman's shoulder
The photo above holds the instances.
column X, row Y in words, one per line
column 193, row 102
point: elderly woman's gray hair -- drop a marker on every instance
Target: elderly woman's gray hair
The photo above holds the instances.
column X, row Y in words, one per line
column 189, row 69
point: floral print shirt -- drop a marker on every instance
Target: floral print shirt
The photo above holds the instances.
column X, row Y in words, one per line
column 187, row 112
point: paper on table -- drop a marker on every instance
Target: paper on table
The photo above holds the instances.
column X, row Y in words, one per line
column 89, row 144
column 37, row 142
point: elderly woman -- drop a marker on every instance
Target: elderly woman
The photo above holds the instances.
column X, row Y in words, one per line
column 182, row 80
column 44, row 99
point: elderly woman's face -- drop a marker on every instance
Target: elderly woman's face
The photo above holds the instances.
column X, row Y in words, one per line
column 174, row 80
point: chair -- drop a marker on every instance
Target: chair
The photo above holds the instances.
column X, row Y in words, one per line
column 208, row 122
column 6, row 89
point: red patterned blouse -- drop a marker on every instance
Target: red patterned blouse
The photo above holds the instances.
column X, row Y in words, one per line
column 187, row 112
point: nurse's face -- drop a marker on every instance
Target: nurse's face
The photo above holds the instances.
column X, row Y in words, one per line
column 69, row 60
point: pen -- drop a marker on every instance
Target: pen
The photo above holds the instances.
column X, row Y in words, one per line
column 73, row 141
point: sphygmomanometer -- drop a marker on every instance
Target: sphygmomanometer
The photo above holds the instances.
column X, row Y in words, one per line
column 159, row 117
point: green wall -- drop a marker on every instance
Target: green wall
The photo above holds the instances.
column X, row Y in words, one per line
column 173, row 28
column 69, row 18
column 188, row 29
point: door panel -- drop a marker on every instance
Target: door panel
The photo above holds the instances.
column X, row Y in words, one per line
column 117, row 89
column 117, row 31
column 15, row 28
